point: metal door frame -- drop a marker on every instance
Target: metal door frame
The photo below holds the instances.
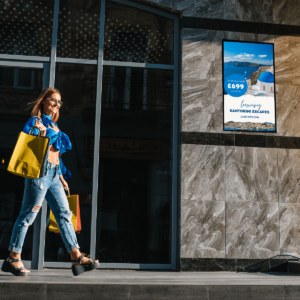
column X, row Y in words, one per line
column 175, row 161
column 37, row 233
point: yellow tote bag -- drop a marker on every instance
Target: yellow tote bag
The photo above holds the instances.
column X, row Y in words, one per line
column 29, row 155
column 74, row 208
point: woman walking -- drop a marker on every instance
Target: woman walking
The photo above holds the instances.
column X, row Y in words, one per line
column 50, row 187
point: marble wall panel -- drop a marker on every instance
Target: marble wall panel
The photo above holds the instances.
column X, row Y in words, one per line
column 200, row 8
column 289, row 218
column 202, row 173
column 287, row 64
column 288, row 110
column 254, row 10
column 252, row 229
column 202, row 54
column 289, row 175
column 240, row 36
column 202, row 229
column 168, row 3
column 251, row 174
column 249, row 37
column 286, row 12
column 202, row 105
column 265, row 38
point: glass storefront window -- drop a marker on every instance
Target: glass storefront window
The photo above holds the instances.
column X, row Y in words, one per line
column 135, row 35
column 77, row 84
column 78, row 29
column 135, row 171
column 15, row 94
column 26, row 27
column 134, row 201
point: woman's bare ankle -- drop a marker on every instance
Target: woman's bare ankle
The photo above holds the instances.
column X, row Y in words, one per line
column 75, row 254
column 15, row 255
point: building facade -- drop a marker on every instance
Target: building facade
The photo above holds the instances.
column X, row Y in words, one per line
column 161, row 185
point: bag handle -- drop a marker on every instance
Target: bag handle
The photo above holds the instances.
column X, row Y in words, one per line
column 68, row 192
column 31, row 130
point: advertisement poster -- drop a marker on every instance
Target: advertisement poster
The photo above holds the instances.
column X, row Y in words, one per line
column 249, row 86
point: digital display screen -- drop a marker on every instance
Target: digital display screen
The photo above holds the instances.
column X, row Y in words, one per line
column 249, row 86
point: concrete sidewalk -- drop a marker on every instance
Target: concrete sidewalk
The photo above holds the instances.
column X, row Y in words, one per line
column 60, row 284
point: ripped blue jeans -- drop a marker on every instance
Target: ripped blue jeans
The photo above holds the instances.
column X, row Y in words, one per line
column 50, row 188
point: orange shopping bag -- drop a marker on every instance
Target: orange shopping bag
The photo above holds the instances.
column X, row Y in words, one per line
column 75, row 209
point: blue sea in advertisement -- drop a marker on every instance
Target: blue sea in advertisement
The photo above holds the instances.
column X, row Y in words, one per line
column 229, row 70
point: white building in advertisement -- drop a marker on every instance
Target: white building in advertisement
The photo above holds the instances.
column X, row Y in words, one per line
column 266, row 82
column 246, row 77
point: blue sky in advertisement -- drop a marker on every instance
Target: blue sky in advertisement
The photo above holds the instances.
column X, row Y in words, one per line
column 248, row 52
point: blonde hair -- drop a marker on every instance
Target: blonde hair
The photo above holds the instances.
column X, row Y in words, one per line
column 38, row 106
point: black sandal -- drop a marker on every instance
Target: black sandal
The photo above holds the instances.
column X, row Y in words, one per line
column 79, row 269
column 8, row 267
column 85, row 255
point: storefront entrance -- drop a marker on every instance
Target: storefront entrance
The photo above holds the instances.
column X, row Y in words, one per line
column 135, row 175
column 116, row 66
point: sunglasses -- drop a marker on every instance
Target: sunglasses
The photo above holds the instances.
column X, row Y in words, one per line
column 55, row 101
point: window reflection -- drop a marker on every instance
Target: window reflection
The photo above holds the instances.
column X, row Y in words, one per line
column 14, row 97
column 26, row 27
column 137, row 89
column 17, row 78
column 78, row 29
column 77, row 84
column 135, row 35
column 134, row 198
